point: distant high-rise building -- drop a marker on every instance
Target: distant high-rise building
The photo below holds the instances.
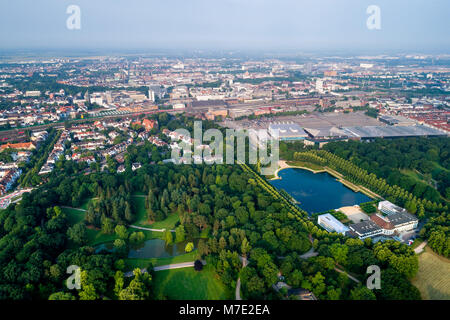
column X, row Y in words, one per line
column 308, row 68
column 319, row 85
column 87, row 97
column 151, row 95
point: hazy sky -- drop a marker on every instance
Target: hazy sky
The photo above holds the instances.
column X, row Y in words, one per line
column 408, row 25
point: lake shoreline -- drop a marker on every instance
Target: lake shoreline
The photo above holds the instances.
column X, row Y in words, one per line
column 339, row 177
column 310, row 190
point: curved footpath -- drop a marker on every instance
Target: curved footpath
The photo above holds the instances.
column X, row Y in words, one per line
column 148, row 229
column 166, row 267
column 238, row 283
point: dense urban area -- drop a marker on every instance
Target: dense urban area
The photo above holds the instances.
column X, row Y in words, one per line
column 87, row 178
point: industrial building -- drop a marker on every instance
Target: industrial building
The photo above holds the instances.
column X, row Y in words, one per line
column 371, row 132
column 287, row 131
column 395, row 120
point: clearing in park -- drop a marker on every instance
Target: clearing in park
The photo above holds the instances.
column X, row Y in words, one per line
column 186, row 283
column 432, row 278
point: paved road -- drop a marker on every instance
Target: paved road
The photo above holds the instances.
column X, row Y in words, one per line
column 420, row 247
column 351, row 277
column 148, row 229
column 238, row 283
column 167, row 267
column 309, row 254
column 177, row 265
column 79, row 209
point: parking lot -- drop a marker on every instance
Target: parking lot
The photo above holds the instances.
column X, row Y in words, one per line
column 313, row 120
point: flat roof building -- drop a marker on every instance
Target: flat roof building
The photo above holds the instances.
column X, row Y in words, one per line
column 331, row 224
column 388, row 207
column 371, row 132
column 287, row 131
column 366, row 229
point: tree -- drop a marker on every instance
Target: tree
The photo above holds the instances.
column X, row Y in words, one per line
column 88, row 291
column 339, row 253
column 198, row 265
column 189, row 247
column 121, row 232
column 318, row 284
column 295, row 278
column 118, row 282
column 168, row 237
column 121, row 247
column 180, row 234
column 139, row 287
column 362, row 293
column 245, row 247
column 78, row 233
column 61, row 296
column 203, row 248
column 137, row 237
column 107, row 226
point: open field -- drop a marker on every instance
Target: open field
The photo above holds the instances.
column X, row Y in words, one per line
column 186, row 283
column 95, row 237
column 132, row 263
column 432, row 278
column 312, row 166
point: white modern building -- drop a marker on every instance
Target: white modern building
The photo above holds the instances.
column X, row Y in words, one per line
column 331, row 224
column 389, row 208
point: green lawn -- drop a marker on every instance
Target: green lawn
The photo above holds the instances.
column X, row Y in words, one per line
column 186, row 283
column 432, row 279
column 95, row 237
column 309, row 165
column 73, row 215
column 141, row 216
column 85, row 203
column 132, row 263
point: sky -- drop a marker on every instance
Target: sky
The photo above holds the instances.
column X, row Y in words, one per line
column 303, row 25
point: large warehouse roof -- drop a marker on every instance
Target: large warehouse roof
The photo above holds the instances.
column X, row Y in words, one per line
column 287, row 130
column 392, row 131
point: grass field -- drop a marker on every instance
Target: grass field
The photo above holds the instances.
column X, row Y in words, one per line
column 141, row 216
column 433, row 279
column 186, row 283
column 309, row 165
column 143, row 263
column 95, row 237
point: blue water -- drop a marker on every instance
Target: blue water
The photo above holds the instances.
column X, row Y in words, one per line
column 317, row 192
column 154, row 248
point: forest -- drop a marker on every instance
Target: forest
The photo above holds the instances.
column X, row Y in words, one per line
column 401, row 161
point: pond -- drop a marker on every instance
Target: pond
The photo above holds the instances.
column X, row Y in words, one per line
column 154, row 248
column 317, row 192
